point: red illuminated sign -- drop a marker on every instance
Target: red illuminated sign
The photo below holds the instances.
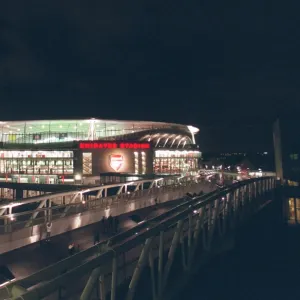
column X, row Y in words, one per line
column 134, row 145
column 113, row 145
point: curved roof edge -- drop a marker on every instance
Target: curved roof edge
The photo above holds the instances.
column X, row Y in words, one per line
column 3, row 122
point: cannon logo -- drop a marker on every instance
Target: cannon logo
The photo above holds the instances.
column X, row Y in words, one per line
column 116, row 161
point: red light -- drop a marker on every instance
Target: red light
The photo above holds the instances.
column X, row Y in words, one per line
column 145, row 146
column 110, row 145
column 101, row 145
column 134, row 146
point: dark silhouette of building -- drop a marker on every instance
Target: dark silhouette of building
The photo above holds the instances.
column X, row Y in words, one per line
column 287, row 151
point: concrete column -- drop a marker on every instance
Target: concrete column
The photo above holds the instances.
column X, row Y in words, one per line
column 278, row 150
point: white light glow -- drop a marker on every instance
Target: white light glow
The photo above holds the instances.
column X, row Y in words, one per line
column 7, row 282
column 107, row 212
column 77, row 177
column 174, row 152
column 133, row 178
column 34, row 238
column 77, row 222
column 193, row 129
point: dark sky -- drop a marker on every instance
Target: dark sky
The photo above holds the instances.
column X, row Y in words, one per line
column 212, row 63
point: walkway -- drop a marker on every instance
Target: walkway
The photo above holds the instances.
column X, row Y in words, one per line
column 203, row 226
column 27, row 260
column 86, row 207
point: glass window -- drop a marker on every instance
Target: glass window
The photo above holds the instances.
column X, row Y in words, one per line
column 175, row 161
column 36, row 162
column 144, row 163
column 293, row 183
column 87, row 163
column 291, row 209
column 136, row 162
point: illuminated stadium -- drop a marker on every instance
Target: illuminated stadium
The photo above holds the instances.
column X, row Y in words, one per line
column 51, row 151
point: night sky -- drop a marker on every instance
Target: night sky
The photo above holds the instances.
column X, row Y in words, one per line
column 227, row 67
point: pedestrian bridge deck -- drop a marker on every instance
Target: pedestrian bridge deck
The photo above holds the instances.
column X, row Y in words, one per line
column 27, row 260
column 192, row 232
column 23, row 222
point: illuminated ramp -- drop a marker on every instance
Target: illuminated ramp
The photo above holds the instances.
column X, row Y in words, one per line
column 24, row 222
column 181, row 239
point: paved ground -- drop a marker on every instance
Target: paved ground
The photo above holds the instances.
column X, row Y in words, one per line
column 27, row 260
column 30, row 259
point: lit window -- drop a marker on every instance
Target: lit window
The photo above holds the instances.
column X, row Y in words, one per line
column 291, row 209
column 87, row 163
column 136, row 162
column 294, row 156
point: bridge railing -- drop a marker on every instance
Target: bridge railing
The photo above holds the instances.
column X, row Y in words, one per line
column 193, row 229
column 32, row 211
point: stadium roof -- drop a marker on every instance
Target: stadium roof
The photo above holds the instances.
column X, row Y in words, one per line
column 83, row 125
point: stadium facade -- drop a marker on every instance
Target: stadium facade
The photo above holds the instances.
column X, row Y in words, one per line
column 51, row 151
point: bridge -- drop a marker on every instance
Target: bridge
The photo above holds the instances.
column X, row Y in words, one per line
column 162, row 252
column 23, row 221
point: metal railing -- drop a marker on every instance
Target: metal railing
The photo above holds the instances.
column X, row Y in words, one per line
column 192, row 230
column 28, row 212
